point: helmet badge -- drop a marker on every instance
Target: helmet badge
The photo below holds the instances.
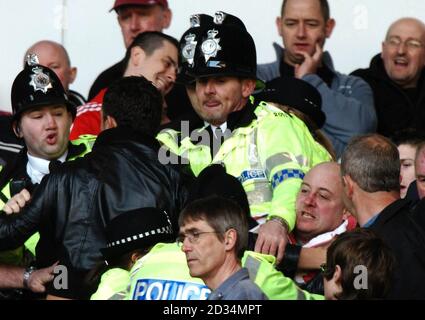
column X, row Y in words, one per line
column 188, row 50
column 32, row 59
column 219, row 17
column 40, row 81
column 210, row 47
column 195, row 21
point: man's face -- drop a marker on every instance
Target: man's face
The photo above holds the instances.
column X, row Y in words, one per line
column 219, row 96
column 420, row 173
column 206, row 253
column 403, row 52
column 161, row 67
column 136, row 19
column 407, row 166
column 319, row 204
column 301, row 27
column 45, row 131
column 52, row 56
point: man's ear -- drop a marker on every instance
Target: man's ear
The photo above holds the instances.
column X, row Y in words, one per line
column 109, row 123
column 329, row 27
column 166, row 18
column 248, row 87
column 337, row 275
column 17, row 130
column 349, row 183
column 279, row 25
column 382, row 49
column 230, row 237
column 137, row 55
column 72, row 74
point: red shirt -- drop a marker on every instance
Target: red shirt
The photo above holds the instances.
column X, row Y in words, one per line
column 88, row 119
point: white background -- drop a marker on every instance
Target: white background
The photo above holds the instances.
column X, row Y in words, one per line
column 93, row 39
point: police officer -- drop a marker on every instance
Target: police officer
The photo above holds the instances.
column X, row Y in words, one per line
column 42, row 117
column 266, row 148
column 73, row 204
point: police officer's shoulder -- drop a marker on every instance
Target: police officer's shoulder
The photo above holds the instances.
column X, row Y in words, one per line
column 269, row 110
column 87, row 139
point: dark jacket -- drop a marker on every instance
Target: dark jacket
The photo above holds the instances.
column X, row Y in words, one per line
column 407, row 241
column 76, row 201
column 395, row 110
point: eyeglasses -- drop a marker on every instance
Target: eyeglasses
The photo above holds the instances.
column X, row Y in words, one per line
column 193, row 237
column 410, row 44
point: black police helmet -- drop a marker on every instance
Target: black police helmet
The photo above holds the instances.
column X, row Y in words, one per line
column 225, row 49
column 37, row 86
column 295, row 93
column 140, row 228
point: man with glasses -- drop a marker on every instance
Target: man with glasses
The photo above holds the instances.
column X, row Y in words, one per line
column 397, row 78
column 214, row 236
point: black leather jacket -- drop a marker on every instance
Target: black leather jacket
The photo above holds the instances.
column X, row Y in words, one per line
column 73, row 204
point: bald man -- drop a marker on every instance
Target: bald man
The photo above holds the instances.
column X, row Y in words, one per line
column 321, row 215
column 396, row 76
column 54, row 56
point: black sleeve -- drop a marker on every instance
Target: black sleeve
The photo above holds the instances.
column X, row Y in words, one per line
column 289, row 263
column 15, row 229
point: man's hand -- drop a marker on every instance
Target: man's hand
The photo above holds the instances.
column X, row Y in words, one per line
column 17, row 202
column 272, row 239
column 39, row 278
column 310, row 63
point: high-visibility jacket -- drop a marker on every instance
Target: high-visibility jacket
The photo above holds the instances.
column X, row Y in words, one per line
column 78, row 148
column 163, row 274
column 271, row 281
column 113, row 285
column 270, row 156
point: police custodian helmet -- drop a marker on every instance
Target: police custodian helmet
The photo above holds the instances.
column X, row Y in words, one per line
column 37, row 86
column 225, row 48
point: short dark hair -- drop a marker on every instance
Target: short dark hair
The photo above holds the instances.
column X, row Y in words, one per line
column 361, row 247
column 324, row 6
column 221, row 214
column 408, row 136
column 149, row 41
column 373, row 162
column 135, row 103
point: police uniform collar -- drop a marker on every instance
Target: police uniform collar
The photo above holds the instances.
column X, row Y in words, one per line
column 241, row 118
column 237, row 119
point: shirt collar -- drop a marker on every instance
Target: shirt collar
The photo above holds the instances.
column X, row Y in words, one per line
column 223, row 128
column 37, row 168
column 371, row 221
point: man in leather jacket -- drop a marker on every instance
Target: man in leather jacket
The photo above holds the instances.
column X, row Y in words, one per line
column 75, row 202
